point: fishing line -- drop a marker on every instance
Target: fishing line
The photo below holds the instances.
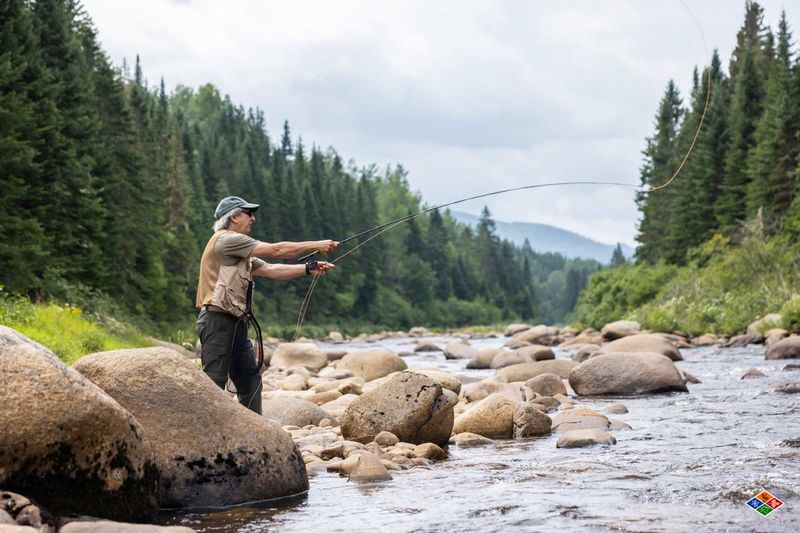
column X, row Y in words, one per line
column 393, row 223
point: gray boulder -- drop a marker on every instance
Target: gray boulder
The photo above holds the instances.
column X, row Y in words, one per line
column 412, row 406
column 67, row 444
column 209, row 449
column 626, row 373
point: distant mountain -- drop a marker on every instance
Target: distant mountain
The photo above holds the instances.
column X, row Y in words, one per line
column 545, row 238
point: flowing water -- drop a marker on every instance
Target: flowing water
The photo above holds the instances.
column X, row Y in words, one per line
column 689, row 463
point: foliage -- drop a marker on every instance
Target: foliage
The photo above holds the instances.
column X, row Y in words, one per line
column 63, row 328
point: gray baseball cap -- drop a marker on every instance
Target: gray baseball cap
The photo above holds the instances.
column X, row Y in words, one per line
column 229, row 203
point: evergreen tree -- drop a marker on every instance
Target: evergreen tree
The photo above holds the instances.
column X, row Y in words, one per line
column 618, row 258
column 661, row 161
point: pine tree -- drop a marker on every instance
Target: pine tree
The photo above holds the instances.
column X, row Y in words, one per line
column 617, row 258
column 661, row 161
column 772, row 160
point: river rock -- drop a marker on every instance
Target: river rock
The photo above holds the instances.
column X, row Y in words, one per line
column 513, row 329
column 294, row 382
column 504, row 359
column 786, row 387
column 706, row 339
column 426, row 347
column 19, row 511
column 492, row 417
column 529, row 421
column 752, row 373
column 459, row 350
column 643, row 342
column 740, row 341
column 579, row 418
column 386, row 439
column 769, row 321
column 483, row 359
column 537, row 352
column 587, row 336
column 467, row 439
column 245, row 458
column 106, row 526
column 418, row 332
column 403, row 405
column 616, row 409
column 369, row 468
column 335, row 337
column 546, row 385
column 626, row 373
column 585, row 352
column 540, row 334
column 337, row 407
column 580, row 438
column 67, row 444
column 526, row 371
column 293, row 411
column 788, row 348
column 306, row 354
column 372, row 364
column 620, row 328
column 477, row 391
column 429, row 450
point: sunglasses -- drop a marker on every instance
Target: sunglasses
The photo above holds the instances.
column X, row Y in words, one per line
column 249, row 212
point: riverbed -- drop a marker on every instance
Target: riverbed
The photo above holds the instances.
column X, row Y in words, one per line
column 690, row 462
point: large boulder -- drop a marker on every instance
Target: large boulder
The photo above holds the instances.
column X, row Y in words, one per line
column 626, row 373
column 788, row 348
column 492, row 417
column 526, row 371
column 643, row 342
column 209, row 449
column 372, row 364
column 408, row 405
column 307, row 354
column 288, row 411
column 67, row 444
column 619, row 329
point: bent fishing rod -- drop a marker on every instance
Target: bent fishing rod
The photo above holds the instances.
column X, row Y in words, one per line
column 387, row 225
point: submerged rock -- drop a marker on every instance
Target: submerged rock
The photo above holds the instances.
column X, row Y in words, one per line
column 209, row 449
column 67, row 444
column 580, row 438
column 752, row 373
column 467, row 439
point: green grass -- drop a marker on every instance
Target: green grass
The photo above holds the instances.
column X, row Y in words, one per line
column 64, row 329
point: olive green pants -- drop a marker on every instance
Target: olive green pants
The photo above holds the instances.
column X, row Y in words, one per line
column 228, row 353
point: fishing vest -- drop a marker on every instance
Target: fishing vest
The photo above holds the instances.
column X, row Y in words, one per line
column 223, row 286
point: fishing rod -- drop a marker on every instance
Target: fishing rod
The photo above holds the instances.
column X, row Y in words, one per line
column 386, row 225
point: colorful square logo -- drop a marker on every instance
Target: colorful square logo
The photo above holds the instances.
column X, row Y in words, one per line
column 764, row 503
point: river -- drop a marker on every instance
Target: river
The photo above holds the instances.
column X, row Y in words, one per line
column 689, row 463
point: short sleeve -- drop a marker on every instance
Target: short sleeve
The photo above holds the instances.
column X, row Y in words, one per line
column 232, row 247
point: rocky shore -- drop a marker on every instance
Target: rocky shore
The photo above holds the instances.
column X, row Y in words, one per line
column 122, row 434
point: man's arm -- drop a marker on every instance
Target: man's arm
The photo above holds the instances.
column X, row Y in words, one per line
column 283, row 272
column 288, row 249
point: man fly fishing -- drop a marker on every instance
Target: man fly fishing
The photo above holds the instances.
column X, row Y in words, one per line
column 225, row 294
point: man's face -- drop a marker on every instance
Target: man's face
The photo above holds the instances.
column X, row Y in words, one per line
column 243, row 222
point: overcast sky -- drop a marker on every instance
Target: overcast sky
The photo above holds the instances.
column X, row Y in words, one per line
column 469, row 96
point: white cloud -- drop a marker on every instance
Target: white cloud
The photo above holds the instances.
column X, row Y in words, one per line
column 468, row 96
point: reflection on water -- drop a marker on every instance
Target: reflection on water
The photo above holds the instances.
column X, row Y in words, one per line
column 690, row 462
